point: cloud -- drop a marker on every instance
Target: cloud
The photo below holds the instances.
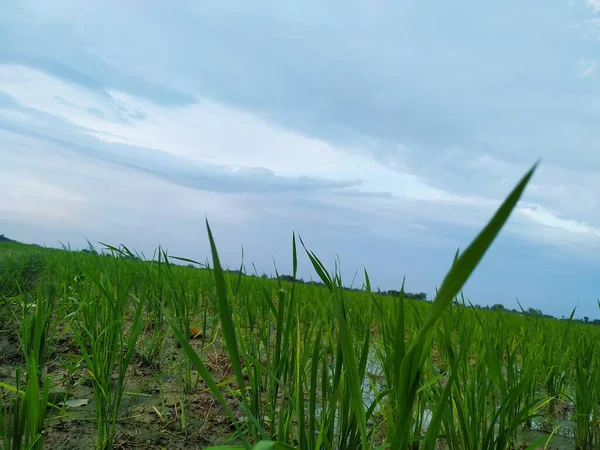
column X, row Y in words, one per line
column 189, row 145
column 587, row 67
column 538, row 224
column 548, row 219
column 187, row 141
column 138, row 87
column 594, row 5
column 387, row 89
column 44, row 181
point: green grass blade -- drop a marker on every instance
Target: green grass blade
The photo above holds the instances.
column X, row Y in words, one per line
column 226, row 314
column 463, row 267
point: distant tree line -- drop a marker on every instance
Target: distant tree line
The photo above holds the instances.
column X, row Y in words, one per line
column 412, row 296
column 537, row 313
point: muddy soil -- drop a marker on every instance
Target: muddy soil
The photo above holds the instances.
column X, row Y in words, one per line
column 155, row 412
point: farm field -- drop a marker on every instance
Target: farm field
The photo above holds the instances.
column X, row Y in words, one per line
column 104, row 349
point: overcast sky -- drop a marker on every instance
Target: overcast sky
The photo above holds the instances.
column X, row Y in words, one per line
column 383, row 132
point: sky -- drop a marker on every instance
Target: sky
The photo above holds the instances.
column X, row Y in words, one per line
column 384, row 133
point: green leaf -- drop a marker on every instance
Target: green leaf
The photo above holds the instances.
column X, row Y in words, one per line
column 226, row 315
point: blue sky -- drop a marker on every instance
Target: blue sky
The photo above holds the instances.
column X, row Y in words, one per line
column 385, row 133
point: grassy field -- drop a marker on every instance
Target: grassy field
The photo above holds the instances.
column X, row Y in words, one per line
column 108, row 350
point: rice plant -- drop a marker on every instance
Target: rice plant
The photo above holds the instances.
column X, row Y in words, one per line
column 106, row 342
column 22, row 419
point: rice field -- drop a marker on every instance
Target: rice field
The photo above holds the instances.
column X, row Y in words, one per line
column 105, row 349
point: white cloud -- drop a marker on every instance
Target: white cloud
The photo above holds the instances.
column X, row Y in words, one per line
column 542, row 216
column 587, row 67
column 210, row 133
column 41, row 184
column 594, row 5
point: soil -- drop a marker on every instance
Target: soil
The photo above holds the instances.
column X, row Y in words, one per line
column 151, row 415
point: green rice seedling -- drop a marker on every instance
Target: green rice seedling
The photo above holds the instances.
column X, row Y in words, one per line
column 394, row 334
column 454, row 341
column 467, row 422
column 281, row 354
column 106, row 340
column 530, row 369
column 155, row 282
column 298, row 359
column 349, row 370
column 253, row 347
column 22, row 421
column 229, row 328
column 29, row 407
column 354, row 340
column 6, row 424
column 37, row 324
column 182, row 305
column 491, row 398
column 153, row 291
column 587, row 393
column 555, row 359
